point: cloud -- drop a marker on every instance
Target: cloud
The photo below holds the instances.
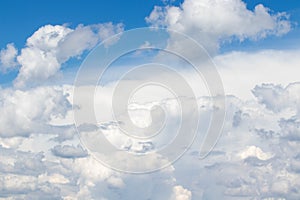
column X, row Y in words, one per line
column 29, row 111
column 252, row 68
column 181, row 194
column 253, row 151
column 85, row 38
column 68, row 151
column 233, row 171
column 23, row 163
column 250, row 157
column 51, row 46
column 8, row 58
column 278, row 98
column 247, row 161
column 17, row 184
column 11, row 142
column 212, row 22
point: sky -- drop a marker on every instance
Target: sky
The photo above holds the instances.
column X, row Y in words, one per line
column 35, row 14
column 184, row 100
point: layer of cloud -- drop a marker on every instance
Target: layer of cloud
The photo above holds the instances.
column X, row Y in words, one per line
column 249, row 161
column 242, row 71
column 256, row 157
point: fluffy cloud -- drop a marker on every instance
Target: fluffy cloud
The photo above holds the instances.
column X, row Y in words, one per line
column 253, row 151
column 250, row 158
column 20, row 176
column 278, row 98
column 260, row 170
column 213, row 21
column 181, row 194
column 85, row 38
column 38, row 60
column 30, row 111
column 17, row 184
column 50, row 46
column 256, row 157
column 8, row 58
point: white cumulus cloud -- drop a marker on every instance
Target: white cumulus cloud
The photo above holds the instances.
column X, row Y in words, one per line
column 8, row 58
column 212, row 21
column 30, row 111
column 50, row 46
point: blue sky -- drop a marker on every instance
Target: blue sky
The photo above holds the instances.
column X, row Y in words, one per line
column 20, row 19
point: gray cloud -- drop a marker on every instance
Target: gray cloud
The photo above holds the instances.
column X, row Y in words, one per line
column 68, row 151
